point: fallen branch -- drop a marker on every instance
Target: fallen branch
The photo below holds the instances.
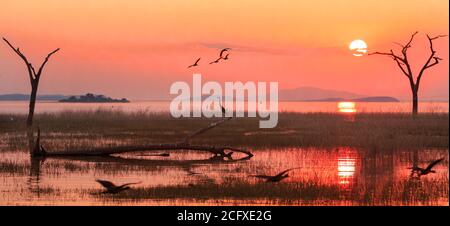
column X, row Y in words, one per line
column 218, row 151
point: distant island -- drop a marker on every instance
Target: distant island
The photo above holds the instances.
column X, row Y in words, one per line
column 92, row 98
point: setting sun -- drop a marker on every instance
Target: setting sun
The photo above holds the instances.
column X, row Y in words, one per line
column 358, row 47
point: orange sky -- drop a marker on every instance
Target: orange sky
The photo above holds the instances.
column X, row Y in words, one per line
column 137, row 48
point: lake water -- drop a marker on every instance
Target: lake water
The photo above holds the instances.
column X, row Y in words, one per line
column 163, row 106
column 327, row 176
column 338, row 176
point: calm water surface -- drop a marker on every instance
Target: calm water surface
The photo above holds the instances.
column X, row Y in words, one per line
column 163, row 106
column 342, row 176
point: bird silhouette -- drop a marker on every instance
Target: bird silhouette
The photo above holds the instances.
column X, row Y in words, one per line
column 216, row 61
column 221, row 56
column 112, row 188
column 223, row 51
column 224, row 111
column 195, row 64
column 421, row 171
column 276, row 178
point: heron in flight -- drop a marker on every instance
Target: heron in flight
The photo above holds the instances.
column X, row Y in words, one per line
column 276, row 178
column 421, row 171
column 112, row 188
column 195, row 64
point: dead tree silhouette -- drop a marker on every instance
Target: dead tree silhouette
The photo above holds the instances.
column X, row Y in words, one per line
column 403, row 63
column 34, row 78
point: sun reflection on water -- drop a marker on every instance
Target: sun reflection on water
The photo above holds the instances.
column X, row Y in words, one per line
column 346, row 168
column 347, row 107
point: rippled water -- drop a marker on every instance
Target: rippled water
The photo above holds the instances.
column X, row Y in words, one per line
column 339, row 176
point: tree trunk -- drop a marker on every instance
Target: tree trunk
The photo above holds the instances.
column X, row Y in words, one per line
column 415, row 104
column 34, row 88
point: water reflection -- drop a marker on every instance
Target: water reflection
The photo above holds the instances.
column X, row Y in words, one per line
column 35, row 175
column 346, row 168
column 341, row 176
column 347, row 107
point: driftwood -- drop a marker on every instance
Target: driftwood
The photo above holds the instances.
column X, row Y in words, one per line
column 220, row 152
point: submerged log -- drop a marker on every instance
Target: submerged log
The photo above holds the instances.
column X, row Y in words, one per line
column 218, row 151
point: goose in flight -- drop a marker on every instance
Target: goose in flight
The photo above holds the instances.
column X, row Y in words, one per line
column 276, row 178
column 195, row 64
column 112, row 188
column 421, row 171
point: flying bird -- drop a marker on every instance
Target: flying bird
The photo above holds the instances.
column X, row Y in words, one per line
column 216, row 61
column 221, row 56
column 223, row 51
column 112, row 188
column 195, row 64
column 276, row 178
column 421, row 171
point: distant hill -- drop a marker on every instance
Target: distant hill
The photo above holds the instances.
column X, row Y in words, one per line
column 26, row 97
column 313, row 94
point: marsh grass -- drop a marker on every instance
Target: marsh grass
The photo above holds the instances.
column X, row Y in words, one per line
column 10, row 167
column 378, row 131
column 236, row 189
column 405, row 192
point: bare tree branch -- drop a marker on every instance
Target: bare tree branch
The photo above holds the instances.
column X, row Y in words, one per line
column 429, row 62
column 408, row 45
column 405, row 67
column 45, row 62
column 17, row 51
column 34, row 78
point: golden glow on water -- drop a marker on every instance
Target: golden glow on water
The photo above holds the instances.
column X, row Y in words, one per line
column 346, row 168
column 339, row 176
column 21, row 107
column 347, row 107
